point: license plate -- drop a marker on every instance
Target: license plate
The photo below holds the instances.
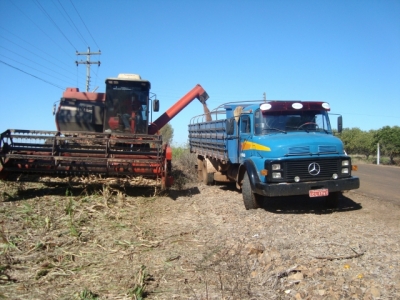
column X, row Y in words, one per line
column 318, row 193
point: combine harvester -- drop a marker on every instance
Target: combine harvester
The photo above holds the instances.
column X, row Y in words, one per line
column 105, row 134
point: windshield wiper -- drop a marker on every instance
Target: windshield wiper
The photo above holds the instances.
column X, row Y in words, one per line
column 316, row 130
column 277, row 129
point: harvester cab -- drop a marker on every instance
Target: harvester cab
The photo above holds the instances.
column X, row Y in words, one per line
column 123, row 108
column 126, row 104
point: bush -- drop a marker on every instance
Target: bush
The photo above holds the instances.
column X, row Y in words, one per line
column 183, row 166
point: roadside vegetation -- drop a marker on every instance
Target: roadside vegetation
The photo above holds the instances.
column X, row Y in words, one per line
column 363, row 145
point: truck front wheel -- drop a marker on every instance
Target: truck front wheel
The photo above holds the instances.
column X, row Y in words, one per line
column 250, row 199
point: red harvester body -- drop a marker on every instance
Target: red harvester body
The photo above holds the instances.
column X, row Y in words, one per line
column 108, row 134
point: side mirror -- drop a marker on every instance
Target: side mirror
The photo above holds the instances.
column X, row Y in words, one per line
column 156, row 105
column 340, row 124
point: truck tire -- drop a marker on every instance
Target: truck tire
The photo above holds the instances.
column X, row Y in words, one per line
column 251, row 200
column 333, row 200
column 208, row 178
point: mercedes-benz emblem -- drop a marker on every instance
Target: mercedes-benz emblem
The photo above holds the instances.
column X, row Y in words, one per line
column 314, row 169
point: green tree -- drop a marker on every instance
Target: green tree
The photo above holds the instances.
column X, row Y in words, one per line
column 365, row 143
column 167, row 133
column 389, row 140
column 349, row 137
column 357, row 141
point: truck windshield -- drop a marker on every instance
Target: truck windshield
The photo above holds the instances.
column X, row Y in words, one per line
column 289, row 121
column 126, row 108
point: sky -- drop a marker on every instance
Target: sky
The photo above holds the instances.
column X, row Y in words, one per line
column 346, row 53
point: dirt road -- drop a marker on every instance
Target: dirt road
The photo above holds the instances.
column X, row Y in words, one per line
column 380, row 182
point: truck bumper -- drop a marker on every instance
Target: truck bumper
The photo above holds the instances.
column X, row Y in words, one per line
column 302, row 188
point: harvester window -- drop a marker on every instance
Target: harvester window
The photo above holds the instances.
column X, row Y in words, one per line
column 126, row 108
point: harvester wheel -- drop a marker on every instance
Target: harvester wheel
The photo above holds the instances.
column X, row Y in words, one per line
column 208, row 178
column 250, row 199
column 164, row 177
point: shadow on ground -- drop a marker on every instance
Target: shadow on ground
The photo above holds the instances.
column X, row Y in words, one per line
column 307, row 205
column 302, row 204
column 22, row 191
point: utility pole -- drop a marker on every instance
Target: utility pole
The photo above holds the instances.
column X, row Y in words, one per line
column 265, row 96
column 88, row 63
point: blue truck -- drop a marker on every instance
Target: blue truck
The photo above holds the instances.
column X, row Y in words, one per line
column 273, row 149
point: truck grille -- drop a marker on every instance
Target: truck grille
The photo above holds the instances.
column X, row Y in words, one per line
column 300, row 168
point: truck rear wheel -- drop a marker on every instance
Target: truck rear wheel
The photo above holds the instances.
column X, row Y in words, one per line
column 333, row 200
column 250, row 199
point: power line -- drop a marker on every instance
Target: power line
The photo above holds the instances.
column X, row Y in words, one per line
column 58, row 45
column 33, row 62
column 355, row 114
column 84, row 24
column 32, row 45
column 35, row 69
column 31, row 75
column 54, row 23
column 73, row 24
column 33, row 54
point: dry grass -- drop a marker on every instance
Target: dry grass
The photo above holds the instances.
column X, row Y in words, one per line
column 196, row 242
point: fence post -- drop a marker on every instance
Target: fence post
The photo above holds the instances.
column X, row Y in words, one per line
column 377, row 155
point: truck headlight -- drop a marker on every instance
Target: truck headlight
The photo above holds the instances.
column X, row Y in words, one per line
column 345, row 170
column 276, row 167
column 345, row 163
column 276, row 175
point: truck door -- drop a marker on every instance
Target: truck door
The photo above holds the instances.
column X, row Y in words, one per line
column 245, row 137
